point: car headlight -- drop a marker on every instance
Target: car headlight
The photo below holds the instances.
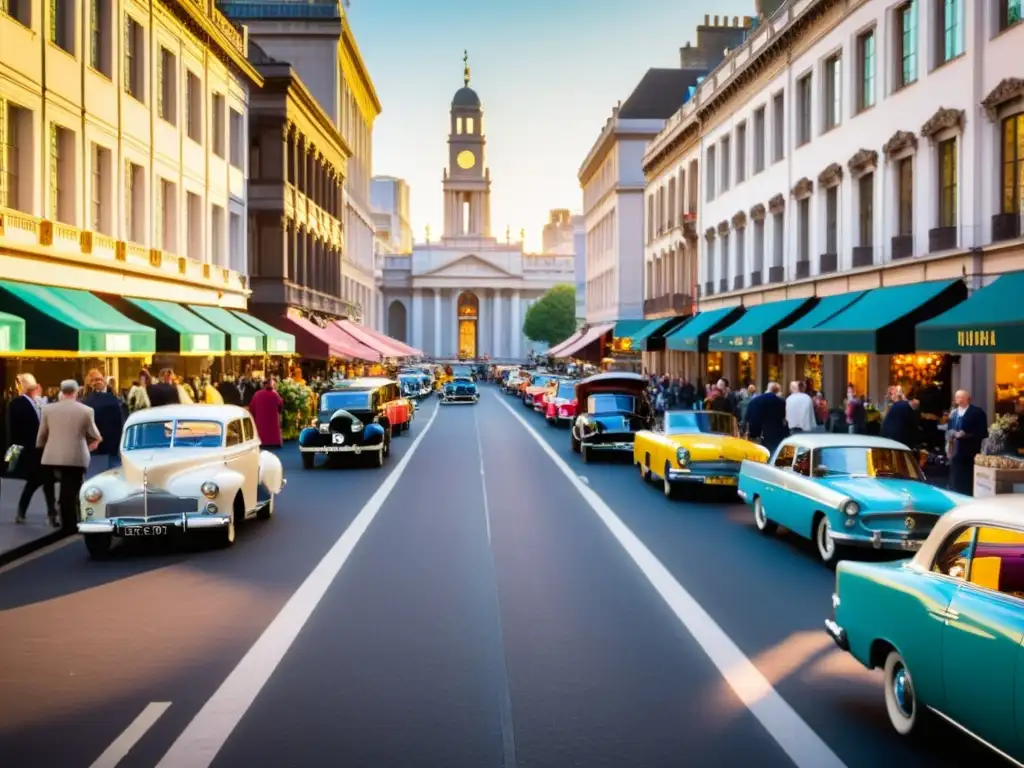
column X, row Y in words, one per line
column 209, row 489
column 682, row 456
column 357, row 425
column 851, row 508
column 93, row 494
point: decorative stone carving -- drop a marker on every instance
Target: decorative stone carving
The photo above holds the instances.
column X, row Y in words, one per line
column 831, row 176
column 757, row 213
column 723, row 227
column 777, row 204
column 943, row 119
column 739, row 220
column 899, row 142
column 863, row 161
column 803, row 188
column 1009, row 88
column 709, row 233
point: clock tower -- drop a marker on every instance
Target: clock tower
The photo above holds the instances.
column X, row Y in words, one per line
column 467, row 181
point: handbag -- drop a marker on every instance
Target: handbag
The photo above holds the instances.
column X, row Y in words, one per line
column 11, row 457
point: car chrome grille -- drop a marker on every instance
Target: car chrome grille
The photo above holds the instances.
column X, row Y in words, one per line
column 463, row 391
column 158, row 503
column 728, row 467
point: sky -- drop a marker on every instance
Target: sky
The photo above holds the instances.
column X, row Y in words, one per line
column 548, row 73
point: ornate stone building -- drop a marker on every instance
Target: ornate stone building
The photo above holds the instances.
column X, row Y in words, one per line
column 468, row 294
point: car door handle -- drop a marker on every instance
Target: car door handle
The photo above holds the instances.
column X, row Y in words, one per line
column 945, row 615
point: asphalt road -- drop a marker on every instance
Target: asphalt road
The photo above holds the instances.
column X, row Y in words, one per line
column 478, row 602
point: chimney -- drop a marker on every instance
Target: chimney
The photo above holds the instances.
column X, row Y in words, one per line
column 716, row 20
column 707, row 19
column 735, row 21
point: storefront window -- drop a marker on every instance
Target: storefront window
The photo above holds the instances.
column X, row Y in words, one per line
column 808, row 369
column 773, row 367
column 713, row 370
column 1009, row 384
column 748, row 369
column 914, row 373
column 857, row 373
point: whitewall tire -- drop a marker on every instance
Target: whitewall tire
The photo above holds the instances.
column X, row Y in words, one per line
column 764, row 525
column 827, row 548
column 908, row 716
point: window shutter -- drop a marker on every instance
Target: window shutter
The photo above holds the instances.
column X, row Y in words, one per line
column 128, row 197
column 160, row 75
column 53, row 21
column 127, row 53
column 54, row 149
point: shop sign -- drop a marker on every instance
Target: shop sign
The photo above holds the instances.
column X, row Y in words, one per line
column 246, row 343
column 972, row 338
column 623, row 344
column 739, row 341
column 5, row 339
column 201, row 342
column 280, row 345
column 118, row 342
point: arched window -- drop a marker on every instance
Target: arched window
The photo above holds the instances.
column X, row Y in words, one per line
column 469, row 306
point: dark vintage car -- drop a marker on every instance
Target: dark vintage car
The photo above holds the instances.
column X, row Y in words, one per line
column 461, row 389
column 612, row 408
column 358, row 417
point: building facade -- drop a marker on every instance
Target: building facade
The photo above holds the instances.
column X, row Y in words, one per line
column 124, row 138
column 852, row 146
column 556, row 237
column 306, row 35
column 389, row 198
column 579, row 251
column 467, row 295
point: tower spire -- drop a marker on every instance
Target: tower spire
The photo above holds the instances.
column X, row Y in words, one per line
column 465, row 67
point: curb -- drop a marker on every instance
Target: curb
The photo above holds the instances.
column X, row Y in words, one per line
column 31, row 546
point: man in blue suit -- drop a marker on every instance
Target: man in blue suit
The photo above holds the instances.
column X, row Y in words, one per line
column 766, row 418
column 968, row 426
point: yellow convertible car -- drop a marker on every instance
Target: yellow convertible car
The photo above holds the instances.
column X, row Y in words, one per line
column 695, row 448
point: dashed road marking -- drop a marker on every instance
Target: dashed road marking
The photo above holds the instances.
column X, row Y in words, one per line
column 122, row 745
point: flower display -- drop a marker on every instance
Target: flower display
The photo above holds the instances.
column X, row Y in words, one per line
column 299, row 402
column 1003, row 434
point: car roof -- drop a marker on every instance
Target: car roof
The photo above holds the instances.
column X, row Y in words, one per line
column 197, row 411
column 611, row 376
column 841, row 440
column 1005, row 510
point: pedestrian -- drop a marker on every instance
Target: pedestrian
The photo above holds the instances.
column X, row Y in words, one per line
column 24, row 414
column 266, row 408
column 164, row 392
column 717, row 401
column 109, row 419
column 67, row 434
column 799, row 409
column 138, row 393
column 229, row 391
column 856, row 413
column 900, row 422
column 968, row 426
column 766, row 417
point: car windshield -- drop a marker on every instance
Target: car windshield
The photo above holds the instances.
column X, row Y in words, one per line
column 333, row 401
column 611, row 403
column 567, row 390
column 409, row 381
column 696, row 422
column 867, row 462
column 462, row 380
column 173, row 434
column 541, row 381
column 462, row 371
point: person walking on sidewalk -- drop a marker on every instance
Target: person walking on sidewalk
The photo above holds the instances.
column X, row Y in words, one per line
column 67, row 434
column 24, row 414
column 109, row 419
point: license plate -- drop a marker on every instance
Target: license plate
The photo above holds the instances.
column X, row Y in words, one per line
column 721, row 481
column 146, row 530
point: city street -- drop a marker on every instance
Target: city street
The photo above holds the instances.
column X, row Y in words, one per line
column 486, row 599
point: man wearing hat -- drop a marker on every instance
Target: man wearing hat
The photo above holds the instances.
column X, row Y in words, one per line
column 67, row 434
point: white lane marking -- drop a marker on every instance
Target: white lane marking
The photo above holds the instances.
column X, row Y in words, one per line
column 203, row 738
column 122, row 745
column 483, row 475
column 799, row 741
column 40, row 553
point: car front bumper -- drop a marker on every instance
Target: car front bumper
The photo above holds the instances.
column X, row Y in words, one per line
column 887, row 540
column 356, row 449
column 698, row 475
column 454, row 399
column 838, row 634
column 609, row 446
column 188, row 521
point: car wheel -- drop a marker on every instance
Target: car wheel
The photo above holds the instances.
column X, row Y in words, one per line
column 908, row 715
column 267, row 510
column 308, row 460
column 386, row 451
column 764, row 525
column 586, row 454
column 98, row 544
column 645, row 472
column 827, row 547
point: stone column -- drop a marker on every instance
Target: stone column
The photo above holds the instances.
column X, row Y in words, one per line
column 517, row 325
column 438, row 340
column 416, row 318
column 498, row 309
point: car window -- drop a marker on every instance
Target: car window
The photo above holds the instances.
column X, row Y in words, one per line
column 610, row 404
column 802, row 462
column 234, row 433
column 784, row 458
column 697, row 422
column 248, row 430
column 998, row 561
column 953, row 556
column 146, row 435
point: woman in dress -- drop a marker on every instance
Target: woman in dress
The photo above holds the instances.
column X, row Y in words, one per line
column 266, row 407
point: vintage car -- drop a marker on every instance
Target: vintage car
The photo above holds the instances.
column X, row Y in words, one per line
column 184, row 468
column 613, row 408
column 512, row 382
column 560, row 405
column 844, row 491
column 695, row 448
column 415, row 385
column 356, row 417
column 946, row 626
column 461, row 389
column 534, row 392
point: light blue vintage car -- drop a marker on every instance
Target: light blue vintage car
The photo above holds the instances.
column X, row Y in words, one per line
column 844, row 491
column 946, row 627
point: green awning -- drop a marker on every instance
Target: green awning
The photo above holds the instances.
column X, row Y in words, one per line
column 693, row 335
column 242, row 337
column 179, row 331
column 626, row 328
column 881, row 321
column 826, row 308
column 655, row 331
column 991, row 320
column 12, row 334
column 277, row 342
column 74, row 323
column 757, row 329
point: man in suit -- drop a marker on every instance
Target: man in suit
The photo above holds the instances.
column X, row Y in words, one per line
column 968, row 426
column 901, row 422
column 164, row 392
column 24, row 414
column 766, row 417
column 109, row 419
column 67, row 434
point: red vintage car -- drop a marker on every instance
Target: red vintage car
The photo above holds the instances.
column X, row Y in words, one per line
column 560, row 406
column 540, row 384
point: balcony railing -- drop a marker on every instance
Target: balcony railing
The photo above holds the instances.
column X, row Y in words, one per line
column 22, row 231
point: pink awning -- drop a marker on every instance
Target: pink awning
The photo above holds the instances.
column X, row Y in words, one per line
column 383, row 337
column 586, row 340
column 553, row 352
column 385, row 347
column 322, row 343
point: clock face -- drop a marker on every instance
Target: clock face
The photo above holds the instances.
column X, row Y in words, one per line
column 466, row 159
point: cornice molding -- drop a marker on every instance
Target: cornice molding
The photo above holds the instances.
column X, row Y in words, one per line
column 943, row 119
column 802, row 189
column 777, row 204
column 709, row 233
column 898, row 143
column 832, row 176
column 739, row 220
column 723, row 228
column 758, row 212
column 1009, row 88
column 863, row 161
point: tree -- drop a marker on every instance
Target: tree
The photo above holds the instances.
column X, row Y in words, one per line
column 552, row 318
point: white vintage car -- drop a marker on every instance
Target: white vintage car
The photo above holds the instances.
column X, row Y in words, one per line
column 184, row 468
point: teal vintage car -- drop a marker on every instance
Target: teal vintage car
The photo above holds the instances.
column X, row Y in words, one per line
column 946, row 627
column 845, row 491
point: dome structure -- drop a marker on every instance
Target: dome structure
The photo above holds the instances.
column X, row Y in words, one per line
column 466, row 97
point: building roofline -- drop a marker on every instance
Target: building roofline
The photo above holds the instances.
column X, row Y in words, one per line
column 282, row 76
column 221, row 34
column 349, row 40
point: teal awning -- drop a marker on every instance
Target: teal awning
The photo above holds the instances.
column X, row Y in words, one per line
column 242, row 337
column 276, row 342
column 826, row 308
column 991, row 320
column 626, row 328
column 693, row 336
column 653, row 333
column 178, row 331
column 757, row 329
column 12, row 334
column 881, row 321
